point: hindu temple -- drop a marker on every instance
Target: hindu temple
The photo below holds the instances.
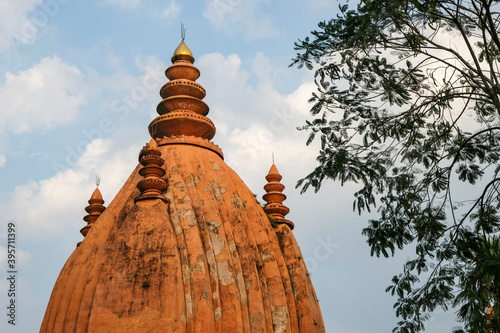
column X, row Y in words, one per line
column 185, row 246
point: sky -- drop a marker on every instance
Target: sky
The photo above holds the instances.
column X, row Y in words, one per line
column 79, row 82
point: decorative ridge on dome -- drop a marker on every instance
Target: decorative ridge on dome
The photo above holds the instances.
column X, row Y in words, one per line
column 274, row 198
column 152, row 186
column 94, row 210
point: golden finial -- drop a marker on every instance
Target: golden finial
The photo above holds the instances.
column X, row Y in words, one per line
column 182, row 52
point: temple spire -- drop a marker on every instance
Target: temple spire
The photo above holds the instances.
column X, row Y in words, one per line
column 182, row 112
column 152, row 186
column 274, row 198
column 94, row 210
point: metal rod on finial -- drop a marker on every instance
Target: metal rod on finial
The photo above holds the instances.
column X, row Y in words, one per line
column 273, row 157
column 97, row 180
column 183, row 31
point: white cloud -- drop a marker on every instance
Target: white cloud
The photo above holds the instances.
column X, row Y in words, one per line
column 264, row 69
column 234, row 99
column 21, row 21
column 125, row 3
column 42, row 97
column 55, row 206
column 52, row 93
column 122, row 95
column 221, row 75
column 232, row 16
column 255, row 120
column 172, row 11
column 15, row 27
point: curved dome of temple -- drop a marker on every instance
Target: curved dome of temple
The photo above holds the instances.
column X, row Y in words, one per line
column 185, row 246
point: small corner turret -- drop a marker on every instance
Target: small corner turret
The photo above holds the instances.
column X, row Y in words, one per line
column 152, row 186
column 274, row 197
column 94, row 210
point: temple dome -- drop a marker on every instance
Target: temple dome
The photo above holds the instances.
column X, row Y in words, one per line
column 189, row 250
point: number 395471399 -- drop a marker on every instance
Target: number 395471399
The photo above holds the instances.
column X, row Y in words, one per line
column 11, row 245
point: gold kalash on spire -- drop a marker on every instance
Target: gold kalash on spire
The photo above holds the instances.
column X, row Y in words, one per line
column 182, row 52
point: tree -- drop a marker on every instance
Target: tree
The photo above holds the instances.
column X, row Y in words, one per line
column 407, row 106
column 480, row 287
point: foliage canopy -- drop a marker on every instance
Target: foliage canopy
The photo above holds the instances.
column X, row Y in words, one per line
column 407, row 106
